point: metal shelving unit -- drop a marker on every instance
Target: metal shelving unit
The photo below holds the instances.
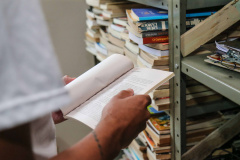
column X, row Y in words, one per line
column 219, row 79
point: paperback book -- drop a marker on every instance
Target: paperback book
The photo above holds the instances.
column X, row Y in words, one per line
column 92, row 90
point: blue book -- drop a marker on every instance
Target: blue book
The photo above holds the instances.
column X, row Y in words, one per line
column 146, row 14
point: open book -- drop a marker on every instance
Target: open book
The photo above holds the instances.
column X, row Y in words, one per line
column 92, row 90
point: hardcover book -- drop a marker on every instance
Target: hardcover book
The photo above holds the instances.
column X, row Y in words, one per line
column 91, row 91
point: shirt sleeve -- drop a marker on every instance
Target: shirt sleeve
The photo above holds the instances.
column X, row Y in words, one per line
column 30, row 78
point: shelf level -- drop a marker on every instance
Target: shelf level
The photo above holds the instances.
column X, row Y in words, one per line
column 193, row 4
column 221, row 80
column 210, row 107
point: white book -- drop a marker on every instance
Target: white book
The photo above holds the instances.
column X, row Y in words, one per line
column 101, row 48
column 103, row 23
column 132, row 47
column 91, row 24
column 153, row 51
column 121, row 21
column 97, row 10
column 100, row 17
column 115, row 33
column 90, row 14
column 91, row 91
column 118, row 28
column 93, row 33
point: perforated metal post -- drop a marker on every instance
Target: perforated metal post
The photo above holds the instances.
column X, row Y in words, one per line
column 177, row 26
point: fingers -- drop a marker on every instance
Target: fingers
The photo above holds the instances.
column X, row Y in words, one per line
column 143, row 100
column 67, row 79
column 125, row 93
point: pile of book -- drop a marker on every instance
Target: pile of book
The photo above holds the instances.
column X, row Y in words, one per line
column 225, row 55
column 157, row 133
column 106, row 33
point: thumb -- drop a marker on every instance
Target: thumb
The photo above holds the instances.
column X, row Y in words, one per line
column 125, row 93
column 67, row 79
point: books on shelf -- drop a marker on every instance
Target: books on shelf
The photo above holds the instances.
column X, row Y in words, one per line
column 160, row 46
column 119, row 77
column 146, row 25
column 92, row 24
column 101, row 48
column 131, row 56
column 145, row 14
column 144, row 64
column 116, row 41
column 154, row 52
column 147, row 40
column 121, row 21
column 154, row 60
column 133, row 47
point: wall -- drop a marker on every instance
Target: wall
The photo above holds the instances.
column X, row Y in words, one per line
column 66, row 21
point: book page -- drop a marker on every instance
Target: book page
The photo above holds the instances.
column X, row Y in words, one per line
column 95, row 79
column 141, row 80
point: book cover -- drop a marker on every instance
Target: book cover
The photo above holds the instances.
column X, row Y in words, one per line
column 160, row 123
column 152, row 25
column 147, row 40
column 143, row 14
column 159, row 39
column 154, row 33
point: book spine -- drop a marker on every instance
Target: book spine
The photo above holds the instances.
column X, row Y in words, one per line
column 163, row 25
column 152, row 26
column 154, row 34
column 193, row 22
column 160, row 39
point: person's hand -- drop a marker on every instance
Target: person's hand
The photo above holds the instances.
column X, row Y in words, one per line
column 58, row 115
column 127, row 115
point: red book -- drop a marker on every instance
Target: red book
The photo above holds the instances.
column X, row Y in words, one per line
column 160, row 39
column 148, row 40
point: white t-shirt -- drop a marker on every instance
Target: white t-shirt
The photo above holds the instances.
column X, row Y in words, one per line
column 30, row 79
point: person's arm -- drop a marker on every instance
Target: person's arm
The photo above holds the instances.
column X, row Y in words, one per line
column 122, row 119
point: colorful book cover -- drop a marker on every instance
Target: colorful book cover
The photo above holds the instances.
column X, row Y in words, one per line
column 161, row 123
column 154, row 111
column 145, row 14
column 149, row 140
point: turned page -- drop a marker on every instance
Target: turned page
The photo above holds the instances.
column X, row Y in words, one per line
column 95, row 79
column 141, row 80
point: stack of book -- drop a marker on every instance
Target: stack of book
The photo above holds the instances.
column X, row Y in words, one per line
column 157, row 133
column 106, row 22
column 196, row 94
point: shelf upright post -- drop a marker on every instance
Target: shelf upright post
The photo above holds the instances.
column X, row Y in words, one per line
column 177, row 26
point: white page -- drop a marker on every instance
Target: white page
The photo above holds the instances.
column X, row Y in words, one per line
column 95, row 79
column 141, row 80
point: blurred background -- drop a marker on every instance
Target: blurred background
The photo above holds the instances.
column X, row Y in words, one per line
column 66, row 23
